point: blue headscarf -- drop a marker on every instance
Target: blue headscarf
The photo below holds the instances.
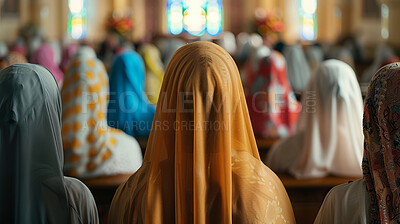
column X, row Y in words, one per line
column 128, row 107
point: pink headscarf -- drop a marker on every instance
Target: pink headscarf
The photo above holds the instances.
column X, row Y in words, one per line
column 381, row 163
column 67, row 55
column 44, row 56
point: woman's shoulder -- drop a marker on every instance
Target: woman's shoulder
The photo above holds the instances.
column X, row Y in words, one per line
column 345, row 203
column 81, row 202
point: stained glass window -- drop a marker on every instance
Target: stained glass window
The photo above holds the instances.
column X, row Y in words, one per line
column 308, row 19
column 195, row 17
column 77, row 19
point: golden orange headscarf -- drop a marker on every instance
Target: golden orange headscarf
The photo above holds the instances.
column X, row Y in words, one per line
column 201, row 163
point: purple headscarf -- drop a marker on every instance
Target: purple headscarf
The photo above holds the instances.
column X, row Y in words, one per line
column 67, row 55
column 44, row 56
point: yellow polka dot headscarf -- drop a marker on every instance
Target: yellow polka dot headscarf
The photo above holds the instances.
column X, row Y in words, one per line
column 90, row 146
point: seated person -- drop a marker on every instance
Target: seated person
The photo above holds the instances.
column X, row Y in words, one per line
column 92, row 148
column 272, row 104
column 33, row 188
column 154, row 71
column 129, row 108
column 45, row 56
column 297, row 67
column 328, row 138
column 375, row 198
column 202, row 163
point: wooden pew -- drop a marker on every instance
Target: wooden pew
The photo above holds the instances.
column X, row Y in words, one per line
column 103, row 190
column 307, row 196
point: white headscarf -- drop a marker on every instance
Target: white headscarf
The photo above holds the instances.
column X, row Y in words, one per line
column 33, row 188
column 297, row 67
column 92, row 148
column 329, row 133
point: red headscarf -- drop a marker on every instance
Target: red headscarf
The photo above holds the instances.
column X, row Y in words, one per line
column 272, row 104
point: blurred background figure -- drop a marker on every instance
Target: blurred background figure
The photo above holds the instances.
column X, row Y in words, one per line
column 328, row 138
column 129, row 109
column 154, row 71
column 92, row 148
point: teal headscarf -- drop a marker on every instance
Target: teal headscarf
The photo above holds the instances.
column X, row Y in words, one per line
column 129, row 108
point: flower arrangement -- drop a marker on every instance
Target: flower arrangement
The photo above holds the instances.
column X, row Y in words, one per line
column 122, row 25
column 268, row 23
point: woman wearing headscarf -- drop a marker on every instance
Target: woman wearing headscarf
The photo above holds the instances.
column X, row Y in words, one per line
column 297, row 67
column 67, row 54
column 129, row 108
column 328, row 138
column 154, row 71
column 92, row 148
column 273, row 107
column 44, row 56
column 315, row 57
column 202, row 163
column 33, row 188
column 375, row 198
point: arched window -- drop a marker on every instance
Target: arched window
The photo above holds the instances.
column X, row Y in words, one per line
column 308, row 19
column 194, row 17
column 77, row 19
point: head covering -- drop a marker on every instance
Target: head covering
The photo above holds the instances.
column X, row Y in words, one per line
column 129, row 108
column 44, row 56
column 329, row 138
column 315, row 56
column 33, row 188
column 202, row 163
column 154, row 71
column 272, row 104
column 297, row 67
column 91, row 147
column 382, row 52
column 67, row 55
column 381, row 146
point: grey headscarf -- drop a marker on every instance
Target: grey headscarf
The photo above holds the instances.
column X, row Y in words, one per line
column 33, row 188
column 297, row 67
